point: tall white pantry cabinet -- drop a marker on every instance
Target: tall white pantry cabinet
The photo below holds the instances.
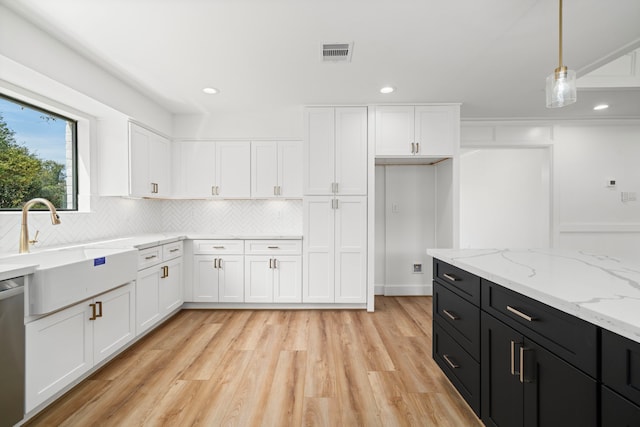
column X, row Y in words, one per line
column 335, row 205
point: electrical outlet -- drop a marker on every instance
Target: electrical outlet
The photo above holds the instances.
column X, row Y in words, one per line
column 417, row 268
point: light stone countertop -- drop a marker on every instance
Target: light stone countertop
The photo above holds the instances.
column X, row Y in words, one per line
column 597, row 288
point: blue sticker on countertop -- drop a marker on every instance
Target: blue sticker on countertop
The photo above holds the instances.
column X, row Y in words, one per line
column 99, row 261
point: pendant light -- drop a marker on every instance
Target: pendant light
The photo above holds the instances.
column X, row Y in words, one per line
column 561, row 84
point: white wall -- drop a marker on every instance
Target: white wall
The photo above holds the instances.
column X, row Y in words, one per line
column 505, row 198
column 590, row 215
column 586, row 214
column 406, row 215
column 272, row 124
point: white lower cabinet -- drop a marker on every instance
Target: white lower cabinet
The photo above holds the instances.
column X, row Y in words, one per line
column 335, row 249
column 66, row 344
column 159, row 289
column 273, row 278
column 218, row 278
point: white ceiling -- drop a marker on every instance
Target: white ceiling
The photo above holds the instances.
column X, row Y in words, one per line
column 491, row 55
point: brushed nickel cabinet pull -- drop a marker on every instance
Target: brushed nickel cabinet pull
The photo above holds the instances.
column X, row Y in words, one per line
column 219, row 262
column 270, row 263
column 521, row 364
column 521, row 314
column 218, row 247
column 337, row 187
column 451, row 315
column 513, row 361
column 279, row 191
column 275, row 263
column 417, row 148
column 413, row 148
column 99, row 304
column 213, row 190
column 450, row 362
column 450, row 277
column 174, row 250
column 273, row 247
column 93, row 312
column 215, row 263
column 150, row 257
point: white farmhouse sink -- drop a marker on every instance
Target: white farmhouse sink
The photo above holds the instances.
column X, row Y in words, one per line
column 66, row 276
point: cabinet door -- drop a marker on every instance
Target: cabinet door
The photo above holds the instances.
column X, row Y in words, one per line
column 233, row 169
column 59, row 348
column 160, row 164
column 116, row 325
column 395, row 127
column 318, row 250
column 437, row 129
column 264, row 169
column 618, row 411
column 556, row 393
column 147, row 298
column 258, row 285
column 319, row 151
column 502, row 394
column 351, row 250
column 205, row 278
column 139, row 146
column 231, row 278
column 170, row 287
column 351, row 150
column 194, row 165
column 290, row 169
column 287, row 279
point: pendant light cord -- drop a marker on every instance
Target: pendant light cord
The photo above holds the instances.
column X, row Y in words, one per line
column 560, row 37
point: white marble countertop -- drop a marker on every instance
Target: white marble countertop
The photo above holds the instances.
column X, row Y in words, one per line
column 597, row 288
column 15, row 268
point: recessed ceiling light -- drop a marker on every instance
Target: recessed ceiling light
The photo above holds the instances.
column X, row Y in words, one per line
column 387, row 89
column 210, row 90
column 601, row 107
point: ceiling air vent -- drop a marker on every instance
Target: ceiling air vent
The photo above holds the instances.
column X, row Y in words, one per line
column 337, row 52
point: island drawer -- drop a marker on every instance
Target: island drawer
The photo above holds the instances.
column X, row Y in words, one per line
column 618, row 411
column 459, row 318
column 463, row 283
column 621, row 365
column 235, row 247
column 458, row 366
column 572, row 339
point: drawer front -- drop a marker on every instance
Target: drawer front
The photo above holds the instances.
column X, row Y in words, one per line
column 171, row 250
column 459, row 318
column 572, row 339
column 463, row 283
column 621, row 365
column 273, row 247
column 235, row 247
column 618, row 411
column 150, row 256
column 458, row 366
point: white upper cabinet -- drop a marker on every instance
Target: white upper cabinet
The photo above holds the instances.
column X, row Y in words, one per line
column 335, row 151
column 423, row 130
column 149, row 163
column 276, row 169
column 212, row 169
column 233, row 169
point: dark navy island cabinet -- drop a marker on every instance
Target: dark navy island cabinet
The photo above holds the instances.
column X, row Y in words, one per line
column 519, row 362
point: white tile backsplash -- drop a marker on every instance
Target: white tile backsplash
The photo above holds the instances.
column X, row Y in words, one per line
column 112, row 217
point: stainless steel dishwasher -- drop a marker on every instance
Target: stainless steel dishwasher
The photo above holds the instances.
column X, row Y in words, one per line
column 11, row 351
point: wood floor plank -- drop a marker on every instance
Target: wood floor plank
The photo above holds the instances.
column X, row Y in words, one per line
column 320, row 377
column 274, row 368
column 286, row 398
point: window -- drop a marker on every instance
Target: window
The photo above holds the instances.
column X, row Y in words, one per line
column 38, row 153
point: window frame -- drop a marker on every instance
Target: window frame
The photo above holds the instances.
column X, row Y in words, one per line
column 74, row 151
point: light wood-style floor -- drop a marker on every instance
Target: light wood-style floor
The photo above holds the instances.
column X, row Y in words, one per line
column 274, row 368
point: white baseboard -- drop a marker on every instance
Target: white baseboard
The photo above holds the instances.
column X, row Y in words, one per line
column 404, row 290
